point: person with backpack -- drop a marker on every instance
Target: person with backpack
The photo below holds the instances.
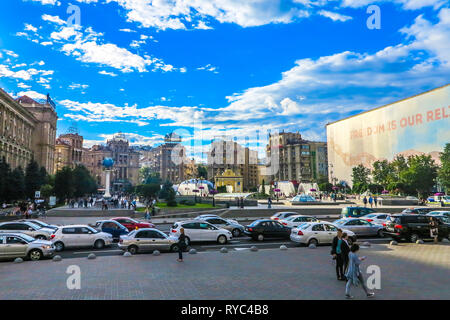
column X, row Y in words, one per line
column 354, row 274
column 181, row 245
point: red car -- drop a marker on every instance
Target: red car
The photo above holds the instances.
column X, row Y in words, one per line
column 132, row 224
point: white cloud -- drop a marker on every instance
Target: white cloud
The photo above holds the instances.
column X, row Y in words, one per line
column 23, row 85
column 334, row 16
column 74, row 86
column 46, row 43
column 127, row 30
column 32, row 95
column 11, row 53
column 29, row 27
column 112, row 74
column 50, row 2
column 54, row 19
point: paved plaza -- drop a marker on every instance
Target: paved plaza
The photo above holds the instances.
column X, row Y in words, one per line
column 408, row 271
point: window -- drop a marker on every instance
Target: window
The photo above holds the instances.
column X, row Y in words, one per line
column 352, row 223
column 83, row 230
column 192, row 225
column 318, row 227
column 15, row 240
column 142, row 234
column 364, row 223
column 207, row 226
column 68, row 231
column 155, row 234
column 382, row 216
column 329, row 227
column 216, row 221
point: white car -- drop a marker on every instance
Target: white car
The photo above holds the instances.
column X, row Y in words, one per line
column 376, row 218
column 199, row 230
column 317, row 233
column 28, row 228
column 295, row 221
column 80, row 236
column 204, row 216
column 282, row 215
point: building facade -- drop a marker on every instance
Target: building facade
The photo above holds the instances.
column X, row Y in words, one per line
column 125, row 170
column 229, row 155
column 27, row 131
column 412, row 126
column 68, row 151
column 297, row 159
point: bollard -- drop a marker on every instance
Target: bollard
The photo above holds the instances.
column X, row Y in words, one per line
column 57, row 258
column 18, row 260
column 127, row 254
column 91, row 256
column 283, row 247
column 419, row 241
column 393, row 243
column 156, row 253
column 254, row 248
column 224, row 250
column 192, row 251
column 312, row 246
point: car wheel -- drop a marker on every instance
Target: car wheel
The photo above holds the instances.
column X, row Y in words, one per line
column 99, row 244
column 380, row 233
column 41, row 237
column 413, row 237
column 59, row 246
column 222, row 239
column 260, row 237
column 133, row 249
column 236, row 233
column 174, row 248
column 35, row 255
column 313, row 241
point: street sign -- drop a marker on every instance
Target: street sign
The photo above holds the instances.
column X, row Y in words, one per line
column 52, row 201
column 37, row 194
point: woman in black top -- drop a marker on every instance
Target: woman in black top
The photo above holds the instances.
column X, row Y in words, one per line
column 181, row 245
column 434, row 230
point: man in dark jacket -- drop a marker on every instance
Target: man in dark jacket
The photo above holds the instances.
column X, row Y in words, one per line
column 336, row 251
column 181, row 245
column 345, row 248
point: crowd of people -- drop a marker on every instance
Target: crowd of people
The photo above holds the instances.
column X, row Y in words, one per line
column 25, row 209
column 116, row 201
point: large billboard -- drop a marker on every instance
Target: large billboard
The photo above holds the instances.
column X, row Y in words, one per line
column 416, row 125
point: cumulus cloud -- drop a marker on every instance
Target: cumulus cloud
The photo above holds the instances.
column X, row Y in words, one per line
column 334, row 16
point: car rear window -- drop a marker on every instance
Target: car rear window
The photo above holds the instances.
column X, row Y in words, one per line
column 254, row 223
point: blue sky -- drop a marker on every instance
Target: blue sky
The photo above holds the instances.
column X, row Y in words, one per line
column 219, row 68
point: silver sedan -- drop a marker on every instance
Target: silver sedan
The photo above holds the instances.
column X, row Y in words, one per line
column 230, row 225
column 147, row 239
column 360, row 227
column 19, row 245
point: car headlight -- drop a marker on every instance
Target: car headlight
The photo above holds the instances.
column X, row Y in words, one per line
column 47, row 247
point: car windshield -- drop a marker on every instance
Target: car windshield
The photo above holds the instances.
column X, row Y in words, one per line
column 34, row 225
column 92, row 229
column 27, row 238
column 254, row 223
column 132, row 233
column 341, row 221
column 303, row 226
column 371, row 216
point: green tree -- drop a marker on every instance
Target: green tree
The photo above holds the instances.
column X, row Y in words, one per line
column 263, row 187
column 64, row 184
column 33, row 179
column 148, row 191
column 144, row 173
column 382, row 173
column 360, row 178
column 46, row 191
column 171, row 202
column 420, row 175
column 444, row 171
column 5, row 172
column 165, row 190
column 202, row 172
column 16, row 184
column 153, row 177
column 83, row 182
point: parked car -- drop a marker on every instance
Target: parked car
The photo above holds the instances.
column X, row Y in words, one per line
column 236, row 229
column 112, row 227
column 19, row 245
column 376, row 218
column 266, row 228
column 360, row 227
column 148, row 239
column 411, row 227
column 132, row 224
column 439, row 213
column 28, row 228
column 296, row 220
column 72, row 236
column 355, row 212
column 39, row 223
column 417, row 210
column 321, row 232
column 282, row 215
column 199, row 230
column 204, row 216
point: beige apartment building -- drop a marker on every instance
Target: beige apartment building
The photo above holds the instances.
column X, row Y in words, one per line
column 298, row 159
column 229, row 155
column 27, row 131
column 126, row 162
column 68, row 151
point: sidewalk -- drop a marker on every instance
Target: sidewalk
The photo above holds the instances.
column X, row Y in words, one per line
column 408, row 271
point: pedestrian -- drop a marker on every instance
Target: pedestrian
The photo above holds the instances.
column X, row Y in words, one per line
column 181, row 245
column 434, row 229
column 371, row 201
column 375, row 200
column 345, row 248
column 269, row 203
column 354, row 274
column 153, row 211
column 147, row 213
column 365, row 201
column 336, row 251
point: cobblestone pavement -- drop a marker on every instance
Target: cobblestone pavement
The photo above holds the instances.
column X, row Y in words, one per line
column 408, row 271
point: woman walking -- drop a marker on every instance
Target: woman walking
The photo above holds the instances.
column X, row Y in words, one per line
column 181, row 245
column 354, row 274
column 434, row 230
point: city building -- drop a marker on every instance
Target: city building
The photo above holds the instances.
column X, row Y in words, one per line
column 229, row 155
column 299, row 160
column 68, row 151
column 233, row 182
column 412, row 126
column 168, row 159
column 27, row 131
column 125, row 170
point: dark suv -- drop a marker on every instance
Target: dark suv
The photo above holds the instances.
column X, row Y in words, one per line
column 418, row 210
column 412, row 227
column 355, row 212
